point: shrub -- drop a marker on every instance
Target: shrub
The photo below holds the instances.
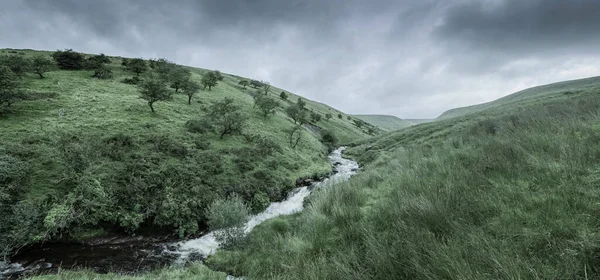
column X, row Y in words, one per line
column 202, row 144
column 41, row 64
column 19, row 65
column 168, row 145
column 135, row 80
column 226, row 218
column 340, row 116
column 329, row 139
column 68, row 59
column 199, row 126
column 260, row 202
column 103, row 72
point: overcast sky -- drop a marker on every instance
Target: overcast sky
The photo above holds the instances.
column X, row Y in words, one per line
column 411, row 58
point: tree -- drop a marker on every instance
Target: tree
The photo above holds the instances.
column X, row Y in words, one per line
column 41, row 64
column 315, row 117
column 243, row 83
column 295, row 134
column 18, row 64
column 358, row 123
column 226, row 116
column 209, row 80
column 227, row 218
column 255, row 84
column 301, row 103
column 102, row 72
column 9, row 83
column 137, row 66
column 329, row 139
column 340, row 116
column 125, row 61
column 190, row 88
column 297, row 113
column 68, row 59
column 283, row 95
column 328, row 116
column 178, row 76
column 267, row 105
column 218, row 75
column 162, row 67
column 153, row 90
column 266, row 87
column 96, row 61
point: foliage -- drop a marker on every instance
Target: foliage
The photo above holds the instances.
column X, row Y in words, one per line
column 256, row 84
column 358, row 123
column 301, row 103
column 209, row 80
column 136, row 65
column 103, row 72
column 226, row 218
column 297, row 113
column 283, row 95
column 190, row 88
column 41, row 64
column 9, row 84
column 340, row 116
column 154, row 90
column 295, row 135
column 315, row 117
column 199, row 126
column 328, row 116
column 329, row 139
column 227, row 118
column 135, row 80
column 218, row 75
column 69, row 59
column 96, row 61
column 18, row 64
column 244, row 83
column 267, row 106
column 178, row 76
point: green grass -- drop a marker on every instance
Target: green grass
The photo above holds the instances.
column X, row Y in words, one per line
column 568, row 87
column 160, row 177
column 387, row 123
column 507, row 193
column 194, row 271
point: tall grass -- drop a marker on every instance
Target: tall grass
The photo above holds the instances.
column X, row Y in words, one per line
column 514, row 195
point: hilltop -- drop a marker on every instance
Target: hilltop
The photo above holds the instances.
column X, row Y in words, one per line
column 83, row 157
column 527, row 95
column 386, row 122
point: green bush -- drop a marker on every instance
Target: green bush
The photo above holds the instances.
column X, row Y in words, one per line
column 199, row 126
column 68, row 59
column 226, row 218
column 135, row 80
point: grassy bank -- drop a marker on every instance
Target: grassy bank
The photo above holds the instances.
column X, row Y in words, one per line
column 508, row 193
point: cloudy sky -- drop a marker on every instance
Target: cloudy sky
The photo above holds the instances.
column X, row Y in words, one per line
column 409, row 58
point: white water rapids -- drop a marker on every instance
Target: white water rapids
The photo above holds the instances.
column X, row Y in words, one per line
column 207, row 245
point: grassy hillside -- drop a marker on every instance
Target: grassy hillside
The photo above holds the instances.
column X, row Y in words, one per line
column 388, row 123
column 510, row 192
column 81, row 156
column 419, row 121
column 528, row 95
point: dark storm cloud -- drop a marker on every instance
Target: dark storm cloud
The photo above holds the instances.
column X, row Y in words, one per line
column 406, row 58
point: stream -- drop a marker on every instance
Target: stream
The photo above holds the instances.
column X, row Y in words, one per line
column 131, row 255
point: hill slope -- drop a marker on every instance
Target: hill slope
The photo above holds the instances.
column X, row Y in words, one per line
column 388, row 123
column 82, row 157
column 508, row 192
column 527, row 95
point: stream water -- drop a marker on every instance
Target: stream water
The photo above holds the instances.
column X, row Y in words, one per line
column 130, row 255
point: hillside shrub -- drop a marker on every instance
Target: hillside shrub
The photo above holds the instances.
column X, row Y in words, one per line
column 226, row 218
column 69, row 59
column 135, row 80
column 199, row 126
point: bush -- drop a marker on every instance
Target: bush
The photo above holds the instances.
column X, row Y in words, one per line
column 227, row 218
column 329, row 139
column 19, row 65
column 133, row 80
column 260, row 202
column 202, row 144
column 68, row 59
column 199, row 126
column 340, row 116
column 169, row 146
column 103, row 72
